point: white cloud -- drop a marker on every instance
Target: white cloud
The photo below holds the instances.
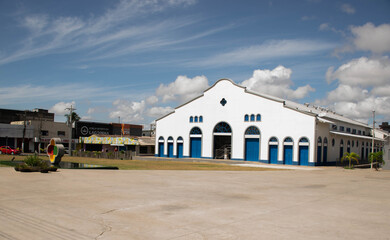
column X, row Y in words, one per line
column 347, row 93
column 362, row 71
column 347, row 8
column 182, row 89
column 277, row 83
column 268, row 50
column 91, row 110
column 128, row 111
column 151, row 100
column 363, row 109
column 61, row 107
column 157, row 112
column 363, row 86
column 371, row 38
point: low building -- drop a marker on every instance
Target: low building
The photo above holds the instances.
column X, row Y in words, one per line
column 231, row 122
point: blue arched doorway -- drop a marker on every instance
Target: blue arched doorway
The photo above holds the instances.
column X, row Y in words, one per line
column 196, row 142
column 288, row 151
column 179, row 147
column 273, row 150
column 170, row 147
column 161, row 147
column 319, row 152
column 303, row 151
column 252, row 144
column 341, row 149
column 325, row 154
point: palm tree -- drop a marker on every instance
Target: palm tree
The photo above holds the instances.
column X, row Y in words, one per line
column 350, row 157
column 75, row 118
column 378, row 158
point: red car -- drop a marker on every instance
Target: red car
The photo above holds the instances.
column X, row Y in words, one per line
column 8, row 150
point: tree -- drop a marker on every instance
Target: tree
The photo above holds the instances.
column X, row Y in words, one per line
column 350, row 157
column 377, row 157
column 75, row 118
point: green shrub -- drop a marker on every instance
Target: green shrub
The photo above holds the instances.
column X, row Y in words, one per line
column 35, row 161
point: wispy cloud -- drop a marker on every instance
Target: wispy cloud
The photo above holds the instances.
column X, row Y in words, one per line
column 121, row 30
column 59, row 92
column 267, row 50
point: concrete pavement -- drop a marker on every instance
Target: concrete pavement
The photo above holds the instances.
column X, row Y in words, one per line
column 107, row 204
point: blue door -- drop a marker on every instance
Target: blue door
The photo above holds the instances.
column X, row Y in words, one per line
column 196, row 147
column 325, row 154
column 288, row 156
column 341, row 152
column 161, row 149
column 251, row 149
column 273, row 154
column 179, row 150
column 319, row 153
column 303, row 155
column 170, row 150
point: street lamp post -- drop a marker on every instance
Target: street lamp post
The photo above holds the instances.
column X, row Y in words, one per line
column 373, row 136
column 70, row 125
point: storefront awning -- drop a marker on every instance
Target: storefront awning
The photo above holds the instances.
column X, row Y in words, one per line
column 114, row 141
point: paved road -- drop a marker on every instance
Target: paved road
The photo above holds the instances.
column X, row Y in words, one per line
column 106, row 204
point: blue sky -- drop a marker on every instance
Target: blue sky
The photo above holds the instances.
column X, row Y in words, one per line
column 137, row 60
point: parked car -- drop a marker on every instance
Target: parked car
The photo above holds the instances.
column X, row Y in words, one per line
column 9, row 150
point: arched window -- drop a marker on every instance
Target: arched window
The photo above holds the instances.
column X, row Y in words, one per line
column 325, row 141
column 319, row 140
column 258, row 117
column 191, row 119
column 179, row 139
column 357, row 143
column 333, row 142
column 252, row 117
column 353, row 143
column 349, row 143
column 196, row 130
column 303, row 140
column 341, row 142
column 161, row 139
column 288, row 139
column 196, row 118
column 200, row 118
column 246, row 118
column 222, row 127
column 273, row 139
column 252, row 131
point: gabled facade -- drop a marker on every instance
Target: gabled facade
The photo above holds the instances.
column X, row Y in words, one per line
column 228, row 121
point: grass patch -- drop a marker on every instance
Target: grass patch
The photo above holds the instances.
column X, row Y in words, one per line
column 5, row 160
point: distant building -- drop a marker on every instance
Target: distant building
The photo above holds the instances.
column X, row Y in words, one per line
column 10, row 115
column 385, row 126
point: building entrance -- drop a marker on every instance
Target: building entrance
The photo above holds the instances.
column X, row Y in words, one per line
column 222, row 147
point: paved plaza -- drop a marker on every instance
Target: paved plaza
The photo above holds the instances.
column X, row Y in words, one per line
column 283, row 204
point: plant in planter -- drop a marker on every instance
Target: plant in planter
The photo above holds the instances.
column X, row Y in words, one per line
column 35, row 164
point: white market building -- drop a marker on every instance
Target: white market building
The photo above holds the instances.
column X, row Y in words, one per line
column 229, row 121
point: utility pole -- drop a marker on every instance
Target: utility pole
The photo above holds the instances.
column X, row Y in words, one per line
column 70, row 124
column 373, row 136
column 24, row 129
